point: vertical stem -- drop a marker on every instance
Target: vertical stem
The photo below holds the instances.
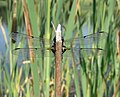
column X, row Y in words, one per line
column 58, row 58
column 47, row 65
column 28, row 29
column 58, row 74
column 94, row 15
column 14, row 22
column 34, row 68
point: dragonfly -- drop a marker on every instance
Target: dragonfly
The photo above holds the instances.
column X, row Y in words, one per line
column 42, row 46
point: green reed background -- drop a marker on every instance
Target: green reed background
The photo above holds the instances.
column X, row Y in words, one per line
column 96, row 77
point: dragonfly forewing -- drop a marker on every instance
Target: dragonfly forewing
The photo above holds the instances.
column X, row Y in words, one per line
column 36, row 41
column 87, row 41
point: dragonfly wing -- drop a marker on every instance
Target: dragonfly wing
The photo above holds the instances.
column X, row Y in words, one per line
column 96, row 39
column 16, row 36
column 37, row 52
column 87, row 52
column 87, row 41
column 36, row 41
column 82, row 52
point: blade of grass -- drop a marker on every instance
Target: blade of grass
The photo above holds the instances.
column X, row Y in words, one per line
column 31, row 28
column 4, row 33
column 47, row 59
column 70, row 24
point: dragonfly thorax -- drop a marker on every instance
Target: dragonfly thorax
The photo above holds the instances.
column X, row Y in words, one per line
column 55, row 40
column 53, row 48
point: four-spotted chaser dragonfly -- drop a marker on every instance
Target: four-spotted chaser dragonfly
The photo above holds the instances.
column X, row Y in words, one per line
column 89, row 44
